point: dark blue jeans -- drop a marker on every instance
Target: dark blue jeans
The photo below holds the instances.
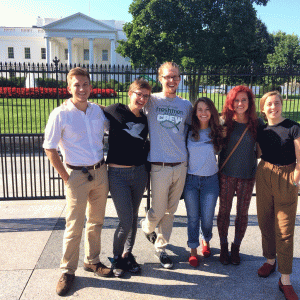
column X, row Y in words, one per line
column 127, row 186
column 200, row 196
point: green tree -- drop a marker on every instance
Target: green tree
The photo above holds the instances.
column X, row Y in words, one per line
column 191, row 33
column 286, row 54
column 263, row 43
column 286, row 50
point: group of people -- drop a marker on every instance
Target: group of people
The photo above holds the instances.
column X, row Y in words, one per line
column 181, row 160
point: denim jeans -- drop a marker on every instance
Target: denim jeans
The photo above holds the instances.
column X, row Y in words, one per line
column 200, row 196
column 127, row 186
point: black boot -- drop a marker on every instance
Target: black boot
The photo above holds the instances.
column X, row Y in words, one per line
column 235, row 254
column 224, row 255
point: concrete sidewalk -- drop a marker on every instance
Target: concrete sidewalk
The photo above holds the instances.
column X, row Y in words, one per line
column 31, row 245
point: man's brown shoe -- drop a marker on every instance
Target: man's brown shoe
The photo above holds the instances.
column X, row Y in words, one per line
column 99, row 269
column 64, row 284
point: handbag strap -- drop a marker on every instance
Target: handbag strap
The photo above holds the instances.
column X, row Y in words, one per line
column 236, row 145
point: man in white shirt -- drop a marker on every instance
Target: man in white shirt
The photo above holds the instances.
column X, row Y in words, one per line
column 78, row 129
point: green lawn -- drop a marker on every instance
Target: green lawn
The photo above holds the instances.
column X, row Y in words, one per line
column 31, row 115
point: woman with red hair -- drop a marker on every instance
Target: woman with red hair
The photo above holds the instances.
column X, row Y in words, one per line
column 237, row 167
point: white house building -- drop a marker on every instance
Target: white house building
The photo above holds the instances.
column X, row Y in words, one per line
column 76, row 39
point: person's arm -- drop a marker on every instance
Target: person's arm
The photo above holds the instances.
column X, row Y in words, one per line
column 297, row 168
column 56, row 162
column 258, row 151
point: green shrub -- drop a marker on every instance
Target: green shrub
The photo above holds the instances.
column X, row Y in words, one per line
column 50, row 83
column 156, row 87
column 100, row 85
column 12, row 82
column 272, row 87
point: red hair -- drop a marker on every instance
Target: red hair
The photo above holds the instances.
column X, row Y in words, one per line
column 228, row 110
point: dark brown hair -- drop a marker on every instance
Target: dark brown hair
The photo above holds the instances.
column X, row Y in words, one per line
column 214, row 123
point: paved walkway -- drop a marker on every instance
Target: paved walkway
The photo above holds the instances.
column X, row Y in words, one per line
column 31, row 246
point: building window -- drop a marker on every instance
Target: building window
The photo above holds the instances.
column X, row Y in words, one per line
column 11, row 52
column 104, row 55
column 27, row 53
column 86, row 54
column 66, row 54
column 43, row 53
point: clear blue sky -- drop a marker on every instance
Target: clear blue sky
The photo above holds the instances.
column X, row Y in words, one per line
column 278, row 15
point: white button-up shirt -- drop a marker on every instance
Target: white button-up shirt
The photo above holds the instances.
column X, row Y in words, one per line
column 78, row 135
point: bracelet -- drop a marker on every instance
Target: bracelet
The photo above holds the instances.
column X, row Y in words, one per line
column 295, row 184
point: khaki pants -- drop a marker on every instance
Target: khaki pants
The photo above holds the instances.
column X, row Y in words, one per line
column 276, row 212
column 167, row 184
column 84, row 198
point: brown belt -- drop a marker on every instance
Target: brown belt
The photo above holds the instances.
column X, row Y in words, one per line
column 166, row 164
column 96, row 166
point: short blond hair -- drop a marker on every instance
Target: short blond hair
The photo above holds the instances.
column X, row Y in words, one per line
column 264, row 98
column 78, row 71
column 168, row 64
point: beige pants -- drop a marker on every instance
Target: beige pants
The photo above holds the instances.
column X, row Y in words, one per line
column 276, row 199
column 84, row 198
column 167, row 184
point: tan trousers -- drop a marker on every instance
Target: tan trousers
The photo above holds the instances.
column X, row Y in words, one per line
column 276, row 199
column 167, row 184
column 84, row 198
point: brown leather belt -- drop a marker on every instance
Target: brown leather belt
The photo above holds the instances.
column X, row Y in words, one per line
column 96, row 166
column 166, row 164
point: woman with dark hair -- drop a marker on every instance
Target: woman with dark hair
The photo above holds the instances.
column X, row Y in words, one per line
column 237, row 167
column 278, row 176
column 127, row 173
column 202, row 186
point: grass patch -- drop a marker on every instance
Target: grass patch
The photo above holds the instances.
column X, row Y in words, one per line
column 19, row 115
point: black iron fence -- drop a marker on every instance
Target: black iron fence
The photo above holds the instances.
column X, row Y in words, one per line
column 29, row 92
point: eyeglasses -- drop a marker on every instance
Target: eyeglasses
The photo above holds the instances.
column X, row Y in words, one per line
column 146, row 97
column 175, row 78
column 84, row 170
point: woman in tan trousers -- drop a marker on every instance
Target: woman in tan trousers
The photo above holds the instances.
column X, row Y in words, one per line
column 277, row 183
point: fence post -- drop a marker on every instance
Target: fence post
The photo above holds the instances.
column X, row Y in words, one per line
column 56, row 61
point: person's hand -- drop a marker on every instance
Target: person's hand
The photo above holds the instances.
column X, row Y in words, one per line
column 66, row 178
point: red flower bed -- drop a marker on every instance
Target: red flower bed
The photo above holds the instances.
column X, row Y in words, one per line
column 41, row 93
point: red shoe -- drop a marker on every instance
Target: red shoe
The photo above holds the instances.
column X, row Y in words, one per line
column 266, row 269
column 206, row 250
column 193, row 261
column 288, row 291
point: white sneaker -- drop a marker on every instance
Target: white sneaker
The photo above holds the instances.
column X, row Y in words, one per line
column 164, row 259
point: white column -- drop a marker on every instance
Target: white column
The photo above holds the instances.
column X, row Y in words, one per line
column 112, row 52
column 48, row 50
column 57, row 51
column 91, row 51
column 69, row 51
